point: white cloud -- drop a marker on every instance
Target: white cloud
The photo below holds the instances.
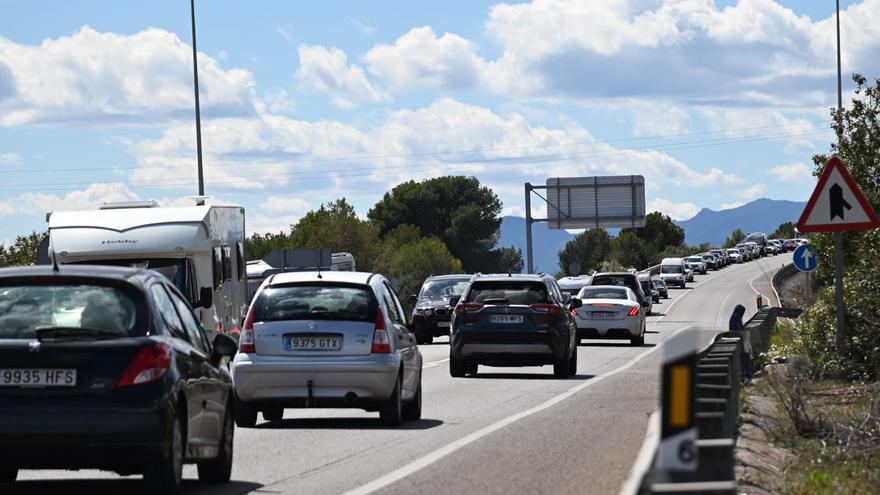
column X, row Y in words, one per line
column 730, row 206
column 278, row 101
column 419, row 59
column 677, row 211
column 276, row 204
column 327, row 70
column 98, row 78
column 651, row 120
column 793, row 172
column 93, row 196
column 365, row 29
column 10, row 159
column 286, row 32
column 265, row 224
column 754, row 191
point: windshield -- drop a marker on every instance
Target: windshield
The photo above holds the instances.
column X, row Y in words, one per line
column 314, row 301
column 602, row 293
column 444, row 287
column 26, row 308
column 670, row 269
column 514, row 292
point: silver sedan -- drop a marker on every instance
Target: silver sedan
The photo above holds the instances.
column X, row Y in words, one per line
column 610, row 312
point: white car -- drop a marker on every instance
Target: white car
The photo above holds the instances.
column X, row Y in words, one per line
column 327, row 339
column 610, row 312
column 696, row 263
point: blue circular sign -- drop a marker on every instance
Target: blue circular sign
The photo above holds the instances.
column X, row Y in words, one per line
column 805, row 259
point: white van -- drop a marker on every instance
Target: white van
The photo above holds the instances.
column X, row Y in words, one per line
column 573, row 285
column 200, row 248
column 673, row 271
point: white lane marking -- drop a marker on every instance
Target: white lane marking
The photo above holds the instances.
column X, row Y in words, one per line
column 762, row 296
column 646, row 455
column 714, row 277
column 434, row 363
column 428, row 459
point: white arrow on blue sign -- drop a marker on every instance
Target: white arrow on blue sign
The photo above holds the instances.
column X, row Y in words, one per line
column 804, row 258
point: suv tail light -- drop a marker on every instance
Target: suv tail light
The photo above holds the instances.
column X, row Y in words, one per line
column 149, row 364
column 634, row 311
column 381, row 343
column 467, row 308
column 246, row 341
column 552, row 309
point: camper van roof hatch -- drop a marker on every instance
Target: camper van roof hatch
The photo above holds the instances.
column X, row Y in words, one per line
column 130, row 204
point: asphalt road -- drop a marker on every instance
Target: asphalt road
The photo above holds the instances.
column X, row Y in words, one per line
column 508, row 430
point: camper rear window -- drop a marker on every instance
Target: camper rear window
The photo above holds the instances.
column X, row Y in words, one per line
column 227, row 263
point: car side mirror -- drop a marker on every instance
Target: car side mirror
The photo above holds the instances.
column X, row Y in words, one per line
column 453, row 301
column 566, row 297
column 206, row 298
column 575, row 303
column 224, row 346
column 413, row 298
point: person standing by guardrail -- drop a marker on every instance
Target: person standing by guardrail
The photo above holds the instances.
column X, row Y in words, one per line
column 736, row 325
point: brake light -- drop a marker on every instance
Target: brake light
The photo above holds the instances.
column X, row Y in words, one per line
column 246, row 341
column 634, row 311
column 149, row 364
column 602, row 305
column 381, row 343
column 468, row 308
column 545, row 308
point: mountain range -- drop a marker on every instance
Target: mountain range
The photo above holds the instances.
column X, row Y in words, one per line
column 762, row 215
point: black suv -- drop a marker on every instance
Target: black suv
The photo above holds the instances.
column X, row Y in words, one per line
column 513, row 320
column 432, row 314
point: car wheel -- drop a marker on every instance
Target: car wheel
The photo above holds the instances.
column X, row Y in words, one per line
column 245, row 414
column 273, row 414
column 219, row 469
column 471, row 368
column 560, row 368
column 427, row 340
column 635, row 341
column 8, row 474
column 391, row 413
column 457, row 367
column 573, row 363
column 165, row 476
column 412, row 410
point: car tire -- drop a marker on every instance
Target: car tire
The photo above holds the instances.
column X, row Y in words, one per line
column 573, row 363
column 457, row 367
column 8, row 474
column 273, row 414
column 391, row 413
column 471, row 368
column 561, row 367
column 245, row 414
column 166, row 475
column 636, row 341
column 219, row 469
column 412, row 410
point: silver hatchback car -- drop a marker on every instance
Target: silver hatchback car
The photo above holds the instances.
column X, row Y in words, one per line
column 334, row 339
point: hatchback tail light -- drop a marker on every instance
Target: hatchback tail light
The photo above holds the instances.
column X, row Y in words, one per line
column 149, row 364
column 246, row 341
column 468, row 308
column 634, row 311
column 381, row 343
column 552, row 309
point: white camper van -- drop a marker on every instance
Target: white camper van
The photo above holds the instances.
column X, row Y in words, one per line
column 200, row 248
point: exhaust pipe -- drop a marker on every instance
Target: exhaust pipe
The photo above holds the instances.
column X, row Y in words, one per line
column 351, row 397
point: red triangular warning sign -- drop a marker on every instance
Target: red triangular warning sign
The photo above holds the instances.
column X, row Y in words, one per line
column 837, row 203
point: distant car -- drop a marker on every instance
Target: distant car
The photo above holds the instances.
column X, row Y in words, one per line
column 610, row 312
column 746, row 251
column 712, row 260
column 432, row 314
column 697, row 263
column 109, row 368
column 650, row 292
column 760, row 240
column 513, row 320
column 661, row 287
column 735, row 255
column 689, row 272
column 791, row 244
column 332, row 339
column 627, row 279
column 724, row 255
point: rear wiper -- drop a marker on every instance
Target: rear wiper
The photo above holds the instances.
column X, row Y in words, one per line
column 495, row 301
column 74, row 332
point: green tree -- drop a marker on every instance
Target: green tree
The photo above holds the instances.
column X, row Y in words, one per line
column 784, row 231
column 22, row 251
column 630, row 250
column 734, row 238
column 258, row 245
column 659, row 232
column 336, row 226
column 411, row 263
column 589, row 248
column 457, row 210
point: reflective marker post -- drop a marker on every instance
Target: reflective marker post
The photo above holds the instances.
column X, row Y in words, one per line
column 678, row 430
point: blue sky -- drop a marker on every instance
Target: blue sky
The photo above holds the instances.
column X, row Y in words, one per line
column 715, row 103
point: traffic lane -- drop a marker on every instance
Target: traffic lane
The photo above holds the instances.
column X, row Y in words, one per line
column 603, row 425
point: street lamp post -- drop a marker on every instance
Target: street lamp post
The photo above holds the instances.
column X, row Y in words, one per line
column 192, row 5
column 840, row 307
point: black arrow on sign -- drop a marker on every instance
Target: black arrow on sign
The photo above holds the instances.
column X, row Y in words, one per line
column 837, row 202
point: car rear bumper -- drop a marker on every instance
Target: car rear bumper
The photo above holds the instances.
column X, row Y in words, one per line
column 434, row 326
column 608, row 329
column 301, row 381
column 515, row 348
column 75, row 435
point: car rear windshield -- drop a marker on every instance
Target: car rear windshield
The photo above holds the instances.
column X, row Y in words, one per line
column 602, row 293
column 316, row 301
column 37, row 309
column 508, row 292
column 694, row 259
column 444, row 287
column 670, row 268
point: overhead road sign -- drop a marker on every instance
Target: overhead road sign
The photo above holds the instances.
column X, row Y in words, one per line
column 596, row 202
column 804, row 258
column 837, row 203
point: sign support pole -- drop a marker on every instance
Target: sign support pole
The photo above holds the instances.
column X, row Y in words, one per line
column 840, row 307
column 530, row 263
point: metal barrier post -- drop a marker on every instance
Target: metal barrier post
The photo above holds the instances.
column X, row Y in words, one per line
column 678, row 431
